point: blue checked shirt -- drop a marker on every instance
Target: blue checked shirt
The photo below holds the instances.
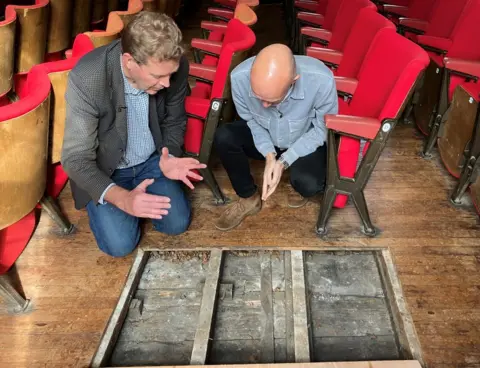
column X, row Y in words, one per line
column 297, row 124
column 140, row 144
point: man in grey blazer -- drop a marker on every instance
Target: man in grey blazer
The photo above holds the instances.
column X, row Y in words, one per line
column 124, row 134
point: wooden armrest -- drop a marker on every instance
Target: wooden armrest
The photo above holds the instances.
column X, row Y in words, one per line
column 317, row 33
column 347, row 85
column 202, row 72
column 211, row 47
column 360, row 127
column 213, row 26
column 466, row 67
column 222, row 13
column 438, row 45
column 313, row 18
column 415, row 26
column 399, row 10
column 328, row 56
column 310, row 6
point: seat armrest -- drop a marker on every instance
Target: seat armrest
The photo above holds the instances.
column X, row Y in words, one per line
column 221, row 13
column 202, row 72
column 360, row 127
column 310, row 6
column 347, row 85
column 209, row 47
column 466, row 67
column 311, row 18
column 317, row 33
column 213, row 26
column 399, row 10
column 328, row 56
column 197, row 107
column 438, row 45
column 411, row 25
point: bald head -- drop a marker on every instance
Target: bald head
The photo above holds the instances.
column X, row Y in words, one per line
column 273, row 71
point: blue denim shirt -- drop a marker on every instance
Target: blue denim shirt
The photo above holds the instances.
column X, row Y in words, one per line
column 297, row 124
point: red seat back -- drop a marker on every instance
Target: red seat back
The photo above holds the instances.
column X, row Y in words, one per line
column 333, row 6
column 364, row 30
column 347, row 14
column 445, row 15
column 466, row 34
column 239, row 38
column 421, row 9
column 387, row 76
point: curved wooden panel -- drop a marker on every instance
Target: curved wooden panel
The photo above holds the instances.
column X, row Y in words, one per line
column 150, row 5
column 162, row 5
column 134, row 7
column 245, row 14
column 458, row 130
column 32, row 28
column 7, row 45
column 113, row 5
column 82, row 15
column 59, row 82
column 23, row 167
column 429, row 94
column 60, row 25
column 99, row 12
column 114, row 28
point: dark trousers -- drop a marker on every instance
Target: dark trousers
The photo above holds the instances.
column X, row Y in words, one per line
column 234, row 145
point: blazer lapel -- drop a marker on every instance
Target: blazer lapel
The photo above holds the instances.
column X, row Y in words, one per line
column 117, row 91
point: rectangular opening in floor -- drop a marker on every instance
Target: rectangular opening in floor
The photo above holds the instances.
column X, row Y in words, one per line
column 262, row 306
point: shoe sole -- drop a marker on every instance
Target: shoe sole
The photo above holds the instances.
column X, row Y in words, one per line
column 292, row 206
column 252, row 213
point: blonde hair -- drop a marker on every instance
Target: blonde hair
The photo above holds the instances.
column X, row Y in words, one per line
column 152, row 35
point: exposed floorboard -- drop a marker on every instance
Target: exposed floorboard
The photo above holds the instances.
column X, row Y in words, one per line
column 435, row 247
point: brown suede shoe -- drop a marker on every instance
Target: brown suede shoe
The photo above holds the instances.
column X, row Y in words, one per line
column 237, row 212
column 295, row 200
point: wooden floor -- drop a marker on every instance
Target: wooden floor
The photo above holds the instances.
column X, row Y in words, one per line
column 436, row 250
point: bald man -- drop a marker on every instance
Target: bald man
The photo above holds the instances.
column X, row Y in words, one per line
column 282, row 100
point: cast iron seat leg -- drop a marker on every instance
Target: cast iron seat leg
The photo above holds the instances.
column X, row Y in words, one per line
column 353, row 187
column 16, row 303
column 330, row 192
column 213, row 185
column 49, row 205
column 362, row 209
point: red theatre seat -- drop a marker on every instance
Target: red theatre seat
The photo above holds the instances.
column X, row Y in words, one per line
column 386, row 80
column 17, row 226
column 210, row 101
column 416, row 9
column 347, row 63
column 463, row 52
column 335, row 39
column 317, row 20
column 24, row 141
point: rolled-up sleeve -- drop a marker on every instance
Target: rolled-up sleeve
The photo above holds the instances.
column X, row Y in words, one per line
column 326, row 102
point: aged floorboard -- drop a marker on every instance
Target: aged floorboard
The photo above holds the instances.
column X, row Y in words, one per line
column 435, row 247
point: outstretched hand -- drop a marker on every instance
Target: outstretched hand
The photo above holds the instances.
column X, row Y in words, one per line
column 180, row 168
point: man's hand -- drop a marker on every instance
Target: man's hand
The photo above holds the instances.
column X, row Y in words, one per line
column 180, row 168
column 138, row 202
column 268, row 174
column 277, row 175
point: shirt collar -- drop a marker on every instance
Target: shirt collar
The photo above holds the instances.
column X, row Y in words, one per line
column 129, row 89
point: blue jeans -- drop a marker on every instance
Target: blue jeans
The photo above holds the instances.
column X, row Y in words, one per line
column 118, row 233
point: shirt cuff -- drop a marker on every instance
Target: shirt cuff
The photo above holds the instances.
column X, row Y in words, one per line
column 101, row 201
column 289, row 156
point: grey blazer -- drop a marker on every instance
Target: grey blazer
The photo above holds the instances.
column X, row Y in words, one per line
column 96, row 120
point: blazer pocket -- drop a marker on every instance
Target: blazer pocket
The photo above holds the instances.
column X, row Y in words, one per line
column 262, row 120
